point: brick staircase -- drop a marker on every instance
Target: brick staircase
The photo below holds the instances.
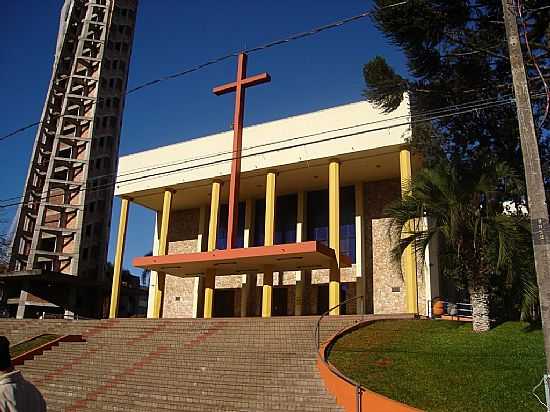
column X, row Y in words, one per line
column 249, row 364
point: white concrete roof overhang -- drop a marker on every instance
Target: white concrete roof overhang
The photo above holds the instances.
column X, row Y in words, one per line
column 366, row 141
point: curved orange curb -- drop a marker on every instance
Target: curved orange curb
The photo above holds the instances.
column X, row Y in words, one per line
column 345, row 390
column 29, row 355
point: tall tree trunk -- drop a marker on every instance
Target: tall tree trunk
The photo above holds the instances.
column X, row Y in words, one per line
column 479, row 298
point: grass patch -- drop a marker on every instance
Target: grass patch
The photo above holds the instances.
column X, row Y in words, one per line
column 30, row 344
column 444, row 366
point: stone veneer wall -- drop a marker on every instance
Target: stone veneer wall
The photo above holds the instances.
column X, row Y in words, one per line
column 385, row 288
column 182, row 238
column 389, row 287
column 385, row 283
column 381, row 273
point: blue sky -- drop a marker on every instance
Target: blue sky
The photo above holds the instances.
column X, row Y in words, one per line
column 172, row 35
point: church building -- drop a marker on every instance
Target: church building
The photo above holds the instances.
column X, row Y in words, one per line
column 310, row 233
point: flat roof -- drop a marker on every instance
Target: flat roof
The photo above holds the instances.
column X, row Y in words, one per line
column 343, row 131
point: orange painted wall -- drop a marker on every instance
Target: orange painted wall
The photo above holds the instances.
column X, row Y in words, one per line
column 345, row 392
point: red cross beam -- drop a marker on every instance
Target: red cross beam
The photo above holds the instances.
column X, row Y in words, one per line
column 239, row 87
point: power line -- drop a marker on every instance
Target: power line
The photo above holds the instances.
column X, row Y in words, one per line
column 479, row 103
column 443, row 112
column 286, row 40
column 471, row 104
column 300, row 144
column 519, row 7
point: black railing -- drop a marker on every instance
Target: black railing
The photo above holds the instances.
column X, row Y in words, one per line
column 318, row 327
column 358, row 389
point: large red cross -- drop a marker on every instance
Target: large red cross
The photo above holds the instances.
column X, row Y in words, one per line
column 239, row 87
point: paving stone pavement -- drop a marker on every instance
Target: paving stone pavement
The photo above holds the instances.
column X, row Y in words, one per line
column 222, row 364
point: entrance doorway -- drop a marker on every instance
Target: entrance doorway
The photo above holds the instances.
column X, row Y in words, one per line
column 280, row 302
column 322, row 298
column 224, row 303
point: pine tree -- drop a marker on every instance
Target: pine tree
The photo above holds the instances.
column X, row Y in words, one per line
column 457, row 58
column 457, row 55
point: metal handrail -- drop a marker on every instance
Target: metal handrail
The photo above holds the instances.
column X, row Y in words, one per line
column 317, row 328
column 358, row 389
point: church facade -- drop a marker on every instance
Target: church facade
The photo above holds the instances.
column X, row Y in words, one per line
column 311, row 231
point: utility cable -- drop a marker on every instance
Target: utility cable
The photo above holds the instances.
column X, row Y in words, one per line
column 534, row 392
column 154, row 175
column 471, row 108
column 479, row 103
column 286, row 40
column 470, row 104
column 519, row 7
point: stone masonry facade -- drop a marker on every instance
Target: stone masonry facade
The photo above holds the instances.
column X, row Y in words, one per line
column 385, row 287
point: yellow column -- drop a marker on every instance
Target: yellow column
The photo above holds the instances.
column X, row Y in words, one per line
column 267, row 292
column 198, row 285
column 119, row 256
column 210, row 275
column 300, row 231
column 360, row 281
column 163, row 249
column 334, row 233
column 270, row 200
column 209, row 285
column 409, row 258
column 248, row 281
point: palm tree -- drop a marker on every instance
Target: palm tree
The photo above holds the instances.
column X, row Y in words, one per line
column 465, row 213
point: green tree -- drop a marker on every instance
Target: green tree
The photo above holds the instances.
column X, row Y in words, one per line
column 466, row 216
column 457, row 54
column 457, row 58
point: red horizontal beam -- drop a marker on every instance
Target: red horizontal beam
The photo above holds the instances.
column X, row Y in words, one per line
column 248, row 82
column 229, row 258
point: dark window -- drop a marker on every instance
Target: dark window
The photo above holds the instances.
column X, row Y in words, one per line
column 88, row 230
column 259, row 223
column 347, row 221
column 221, row 236
column 85, row 253
column 317, row 216
column 285, row 219
column 92, row 207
